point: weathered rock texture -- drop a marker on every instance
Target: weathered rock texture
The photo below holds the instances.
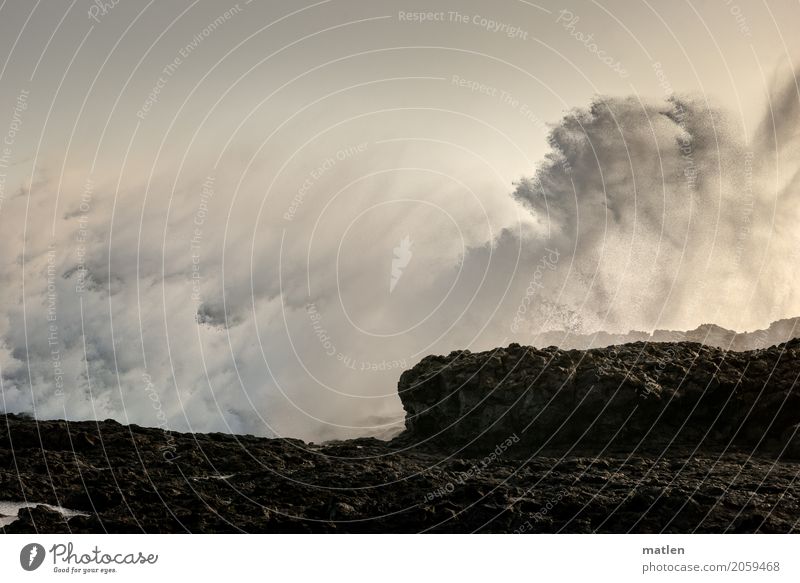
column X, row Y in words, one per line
column 512, row 440
column 636, row 396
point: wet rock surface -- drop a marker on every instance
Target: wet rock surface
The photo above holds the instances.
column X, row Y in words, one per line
column 726, row 471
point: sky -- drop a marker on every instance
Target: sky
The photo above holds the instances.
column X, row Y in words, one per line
column 252, row 217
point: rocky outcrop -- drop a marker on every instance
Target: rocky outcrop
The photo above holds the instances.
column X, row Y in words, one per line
column 638, row 438
column 635, row 396
column 707, row 334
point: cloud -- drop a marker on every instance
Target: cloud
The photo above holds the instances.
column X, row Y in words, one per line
column 203, row 293
column 672, row 218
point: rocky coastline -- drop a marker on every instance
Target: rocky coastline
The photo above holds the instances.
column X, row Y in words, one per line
column 643, row 437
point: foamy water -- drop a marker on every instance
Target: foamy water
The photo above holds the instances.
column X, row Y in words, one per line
column 9, row 511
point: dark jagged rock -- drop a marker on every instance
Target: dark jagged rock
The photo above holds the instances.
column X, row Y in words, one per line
column 467, row 461
column 636, row 396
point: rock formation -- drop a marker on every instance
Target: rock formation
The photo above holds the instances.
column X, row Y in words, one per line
column 635, row 438
column 636, row 396
column 707, row 334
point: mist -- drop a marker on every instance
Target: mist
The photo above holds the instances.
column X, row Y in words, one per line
column 669, row 215
column 267, row 241
column 644, row 215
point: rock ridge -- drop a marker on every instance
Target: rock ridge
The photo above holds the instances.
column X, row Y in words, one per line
column 638, row 395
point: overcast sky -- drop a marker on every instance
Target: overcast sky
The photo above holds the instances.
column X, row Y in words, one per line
column 252, row 217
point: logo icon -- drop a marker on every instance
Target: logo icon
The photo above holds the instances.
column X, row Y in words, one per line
column 401, row 259
column 31, row 556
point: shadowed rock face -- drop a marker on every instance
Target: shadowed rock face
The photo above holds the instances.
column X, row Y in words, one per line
column 511, row 440
column 639, row 395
